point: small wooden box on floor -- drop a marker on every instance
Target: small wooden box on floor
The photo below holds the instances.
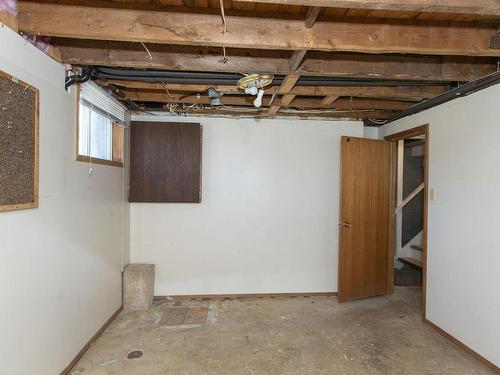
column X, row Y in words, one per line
column 138, row 286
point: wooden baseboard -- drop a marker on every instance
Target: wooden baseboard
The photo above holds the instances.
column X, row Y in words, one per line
column 461, row 345
column 92, row 340
column 243, row 296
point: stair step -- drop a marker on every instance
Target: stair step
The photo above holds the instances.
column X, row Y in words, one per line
column 411, row 260
column 417, row 247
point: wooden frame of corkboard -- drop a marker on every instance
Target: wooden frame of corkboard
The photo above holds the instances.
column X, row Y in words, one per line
column 28, row 141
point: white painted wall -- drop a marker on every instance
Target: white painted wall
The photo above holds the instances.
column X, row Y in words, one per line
column 463, row 290
column 269, row 213
column 60, row 264
column 370, row 132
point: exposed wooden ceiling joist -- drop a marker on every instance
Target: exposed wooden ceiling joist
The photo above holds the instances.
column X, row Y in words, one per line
column 401, row 92
column 242, row 111
column 311, row 16
column 358, row 35
column 133, row 55
column 344, row 104
column 296, row 59
column 478, row 7
column 329, row 99
column 287, row 99
column 285, row 88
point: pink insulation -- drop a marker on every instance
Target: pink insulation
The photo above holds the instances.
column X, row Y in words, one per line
column 9, row 6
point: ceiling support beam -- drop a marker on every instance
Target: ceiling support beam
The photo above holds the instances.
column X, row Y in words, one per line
column 133, row 55
column 287, row 99
column 329, row 99
column 296, row 59
column 288, row 83
column 356, row 114
column 409, row 93
column 339, row 34
column 286, row 86
column 8, row 20
column 311, row 16
column 495, row 40
column 343, row 104
column 476, row 7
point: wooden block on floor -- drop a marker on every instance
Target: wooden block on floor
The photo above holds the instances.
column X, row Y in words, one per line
column 138, row 286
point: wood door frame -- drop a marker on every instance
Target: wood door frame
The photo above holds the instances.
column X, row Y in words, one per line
column 419, row 130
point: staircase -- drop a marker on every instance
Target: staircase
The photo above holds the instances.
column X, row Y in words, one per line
column 411, row 260
column 410, row 203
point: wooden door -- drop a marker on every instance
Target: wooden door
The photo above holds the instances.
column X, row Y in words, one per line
column 366, row 209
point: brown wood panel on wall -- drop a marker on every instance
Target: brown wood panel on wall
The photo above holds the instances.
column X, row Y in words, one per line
column 165, row 162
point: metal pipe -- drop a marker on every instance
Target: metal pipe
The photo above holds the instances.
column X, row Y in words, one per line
column 458, row 92
column 230, row 78
column 78, row 78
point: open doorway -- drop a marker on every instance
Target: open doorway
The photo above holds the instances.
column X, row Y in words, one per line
column 410, row 219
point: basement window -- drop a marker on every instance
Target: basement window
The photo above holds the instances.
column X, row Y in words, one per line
column 100, row 127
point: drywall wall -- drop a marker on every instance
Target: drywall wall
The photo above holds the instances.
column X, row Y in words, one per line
column 370, row 132
column 268, row 221
column 463, row 282
column 60, row 264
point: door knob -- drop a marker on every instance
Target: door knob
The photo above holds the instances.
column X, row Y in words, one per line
column 347, row 224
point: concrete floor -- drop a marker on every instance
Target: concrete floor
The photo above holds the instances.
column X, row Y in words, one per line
column 315, row 335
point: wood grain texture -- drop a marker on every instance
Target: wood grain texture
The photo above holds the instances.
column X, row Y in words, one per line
column 365, row 203
column 296, row 59
column 288, row 83
column 165, row 163
column 339, row 34
column 117, row 147
column 477, row 7
column 9, row 20
column 416, row 93
column 133, row 55
column 311, row 16
column 287, row 100
column 327, row 100
column 262, row 113
column 19, row 122
column 110, row 163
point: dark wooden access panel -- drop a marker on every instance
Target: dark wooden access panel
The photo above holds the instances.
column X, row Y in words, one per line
column 165, row 162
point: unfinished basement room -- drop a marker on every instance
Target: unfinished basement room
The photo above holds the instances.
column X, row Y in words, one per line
column 249, row 187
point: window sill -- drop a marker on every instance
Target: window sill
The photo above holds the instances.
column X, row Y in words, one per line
column 110, row 163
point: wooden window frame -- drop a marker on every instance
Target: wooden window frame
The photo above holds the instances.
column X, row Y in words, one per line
column 117, row 147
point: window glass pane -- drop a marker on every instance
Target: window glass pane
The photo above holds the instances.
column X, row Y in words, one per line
column 100, row 136
column 83, row 130
column 95, row 134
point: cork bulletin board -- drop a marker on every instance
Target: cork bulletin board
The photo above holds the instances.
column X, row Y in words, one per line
column 19, row 103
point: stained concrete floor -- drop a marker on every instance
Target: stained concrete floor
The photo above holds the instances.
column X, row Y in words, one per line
column 315, row 335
